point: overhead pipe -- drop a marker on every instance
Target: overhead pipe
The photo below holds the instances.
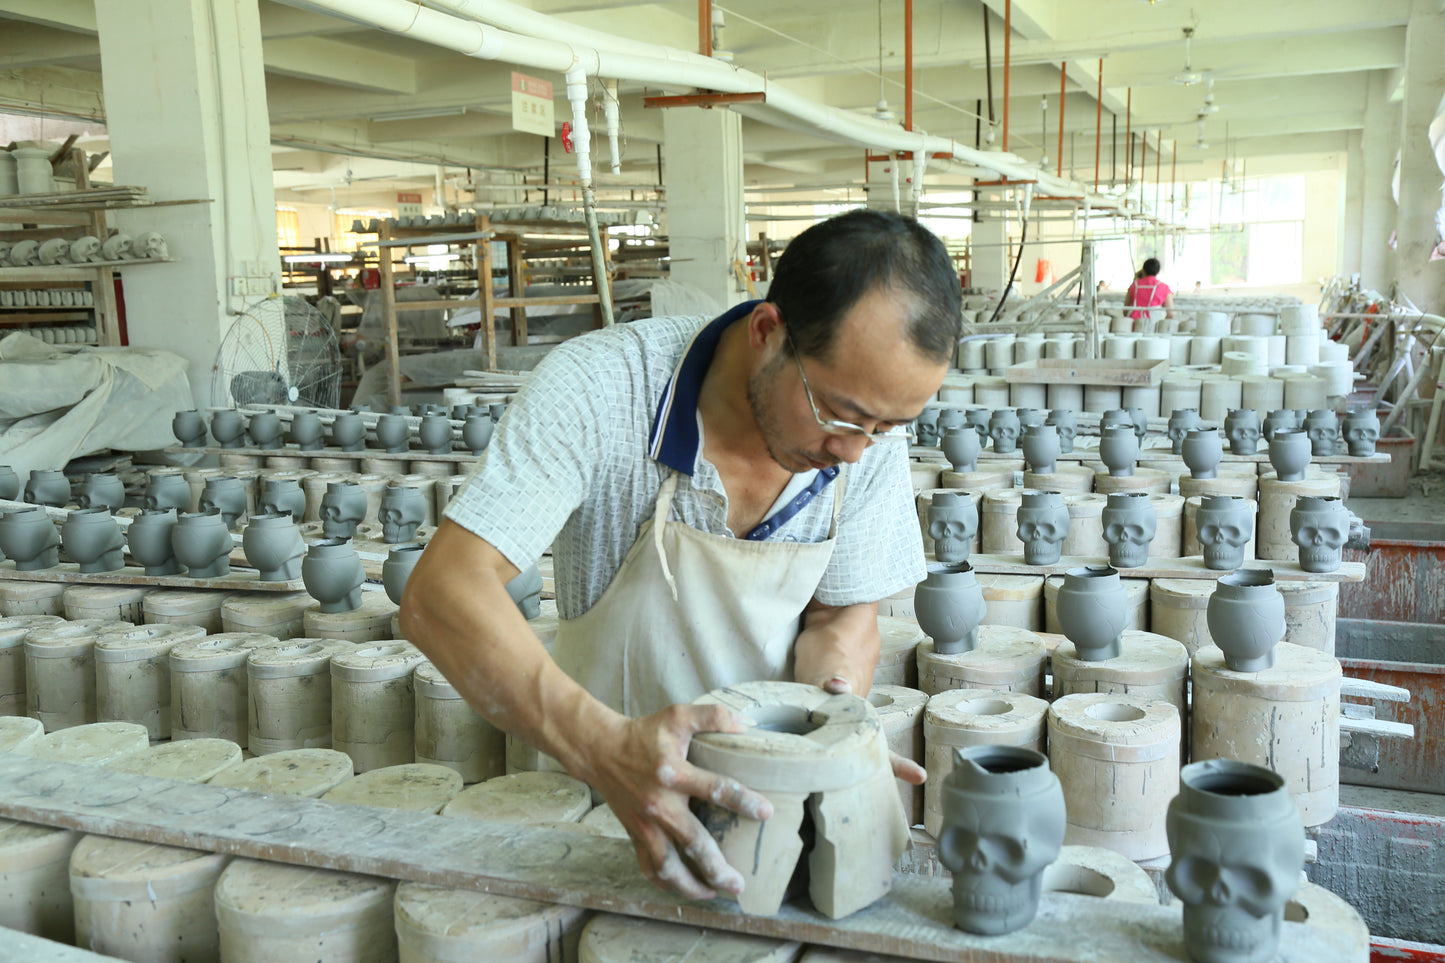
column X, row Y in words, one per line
column 1128, row 138
column 907, row 64
column 582, row 143
column 1099, row 123
column 614, row 123
column 897, row 193
column 704, row 27
column 1063, row 81
column 920, row 168
column 1008, row 13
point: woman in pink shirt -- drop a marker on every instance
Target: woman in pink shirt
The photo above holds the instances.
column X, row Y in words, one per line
column 1148, row 291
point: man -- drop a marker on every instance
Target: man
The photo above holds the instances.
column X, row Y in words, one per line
column 719, row 512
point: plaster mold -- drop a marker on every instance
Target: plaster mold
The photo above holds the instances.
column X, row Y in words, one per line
column 965, row 718
column 133, row 676
column 523, row 799
column 1007, row 659
column 14, row 691
column 60, row 671
column 208, row 686
column 900, row 713
column 449, row 732
column 288, row 697
column 373, row 706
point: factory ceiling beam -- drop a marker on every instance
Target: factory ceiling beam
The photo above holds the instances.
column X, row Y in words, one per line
column 342, row 64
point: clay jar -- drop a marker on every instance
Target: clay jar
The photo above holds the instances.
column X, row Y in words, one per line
column 977, row 419
column 402, row 511
column 1203, row 450
column 9, row 483
column 274, row 546
column 397, row 567
column 306, row 430
column 1181, row 420
column 1043, row 524
column 477, row 432
column 1119, row 450
column 282, row 496
column 497, row 410
column 435, row 434
column 265, row 430
column 1116, row 416
column 165, row 491
column 149, row 538
column 189, row 428
column 1063, row 421
column 952, row 522
column 29, row 539
column 1236, row 847
column 1362, row 430
column 1141, row 422
column 526, row 591
column 949, row 606
column 1003, row 824
column 392, row 432
column 1224, row 524
column 1093, row 607
column 1246, row 619
column 225, row 494
column 1323, row 429
column 92, row 538
column 1003, row 428
column 342, row 508
column 925, row 428
column 1130, row 522
column 1280, row 419
column 1289, row 453
column 961, row 448
column 202, row 543
column 228, row 428
column 1029, row 418
column 1241, row 427
column 101, row 491
column 50, row 488
column 1041, row 448
column 348, row 431
column 1319, row 526
column 333, row 574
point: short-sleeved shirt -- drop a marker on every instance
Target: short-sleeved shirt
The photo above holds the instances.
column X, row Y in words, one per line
column 581, row 453
column 1146, row 292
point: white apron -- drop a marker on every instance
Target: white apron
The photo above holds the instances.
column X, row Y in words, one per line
column 689, row 612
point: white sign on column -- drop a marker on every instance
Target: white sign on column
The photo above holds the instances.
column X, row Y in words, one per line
column 532, row 105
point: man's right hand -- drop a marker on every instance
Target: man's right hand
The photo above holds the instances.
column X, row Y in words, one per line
column 640, row 767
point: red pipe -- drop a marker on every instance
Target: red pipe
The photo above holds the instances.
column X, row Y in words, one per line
column 1099, row 124
column 1063, row 79
column 907, row 64
column 704, row 27
column 1008, row 14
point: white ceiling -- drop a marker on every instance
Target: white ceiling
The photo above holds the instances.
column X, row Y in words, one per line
column 1289, row 77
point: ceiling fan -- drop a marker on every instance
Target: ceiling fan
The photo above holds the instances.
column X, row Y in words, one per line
column 1188, row 77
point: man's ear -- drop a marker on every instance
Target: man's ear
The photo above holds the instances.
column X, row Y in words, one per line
column 765, row 324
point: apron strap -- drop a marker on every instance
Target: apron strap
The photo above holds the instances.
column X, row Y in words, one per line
column 839, row 484
column 659, row 522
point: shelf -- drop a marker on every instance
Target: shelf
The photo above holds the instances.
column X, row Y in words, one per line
column 9, row 316
column 1191, row 566
column 71, row 272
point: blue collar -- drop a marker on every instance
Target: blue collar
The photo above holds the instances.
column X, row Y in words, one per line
column 675, row 439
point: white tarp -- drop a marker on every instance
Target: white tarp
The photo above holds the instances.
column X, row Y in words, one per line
column 59, row 403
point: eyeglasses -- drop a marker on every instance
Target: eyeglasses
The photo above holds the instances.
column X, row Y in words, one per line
column 832, row 426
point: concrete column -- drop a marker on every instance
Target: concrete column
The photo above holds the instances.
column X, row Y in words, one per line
column 185, row 101
column 1352, row 206
column 1421, row 179
column 990, row 252
column 703, row 175
column 1378, row 145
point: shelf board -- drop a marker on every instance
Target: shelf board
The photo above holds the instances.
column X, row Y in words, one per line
column 10, row 317
column 1191, row 566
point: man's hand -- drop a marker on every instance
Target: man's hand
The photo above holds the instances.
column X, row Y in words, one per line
column 903, row 767
column 641, row 769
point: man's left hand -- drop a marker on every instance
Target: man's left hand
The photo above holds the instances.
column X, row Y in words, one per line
column 903, row 767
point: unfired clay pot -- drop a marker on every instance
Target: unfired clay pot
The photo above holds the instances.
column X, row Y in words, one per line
column 435, row 434
column 1362, row 431
column 1180, row 421
column 265, row 430
column 1063, row 420
column 402, row 511
column 50, row 488
column 526, row 591
column 1130, row 522
column 1003, row 428
column 949, row 606
column 1278, row 420
column 977, row 419
column 9, row 483
column 1003, row 824
column 1141, row 423
column 400, row 560
column 1223, row 524
column 167, row 491
column 952, row 523
column 342, row 508
column 225, row 494
column 1093, row 608
column 1029, row 418
column 189, row 428
column 950, row 418
column 1319, row 526
column 29, row 539
column 348, row 431
column 282, row 496
column 960, row 446
column 1246, row 619
column 1289, row 453
column 1041, row 448
column 101, row 491
column 497, row 409
column 1236, row 846
column 477, row 432
column 202, row 543
column 1119, row 450
column 1203, row 450
column 393, row 433
column 925, row 428
column 93, row 539
column 1116, row 416
column 229, row 428
column 273, row 544
column 307, row 430
column 149, row 538
column 1241, row 426
column 333, row 574
column 1323, row 429
column 1043, row 524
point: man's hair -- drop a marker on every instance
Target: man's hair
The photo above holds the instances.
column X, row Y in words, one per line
column 832, row 265
column 1151, row 267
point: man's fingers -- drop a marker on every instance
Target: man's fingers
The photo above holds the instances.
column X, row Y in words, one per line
column 701, row 853
column 722, row 791
column 907, row 770
column 660, row 863
column 713, row 718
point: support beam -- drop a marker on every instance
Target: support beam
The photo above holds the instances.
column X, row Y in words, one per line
column 341, row 64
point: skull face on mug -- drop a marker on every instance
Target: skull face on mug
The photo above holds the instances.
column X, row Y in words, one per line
column 925, row 428
column 1361, row 435
column 952, row 522
column 1130, row 523
column 1003, row 428
column 1225, row 525
column 1043, row 524
column 1319, row 526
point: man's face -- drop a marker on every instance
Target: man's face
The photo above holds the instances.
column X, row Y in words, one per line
column 873, row 377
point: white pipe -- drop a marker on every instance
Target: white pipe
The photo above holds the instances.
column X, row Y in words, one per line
column 920, row 168
column 897, row 196
column 582, row 145
column 609, row 111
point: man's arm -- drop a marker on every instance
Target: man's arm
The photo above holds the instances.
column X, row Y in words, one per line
column 456, row 610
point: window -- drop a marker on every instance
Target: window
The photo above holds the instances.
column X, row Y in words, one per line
column 288, row 227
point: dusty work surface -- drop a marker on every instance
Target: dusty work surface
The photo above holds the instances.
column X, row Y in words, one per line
column 1190, row 566
column 562, row 866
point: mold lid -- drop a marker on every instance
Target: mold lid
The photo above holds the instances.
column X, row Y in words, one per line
column 1114, row 726
column 524, row 798
column 294, row 657
column 416, row 787
column 187, row 760
column 455, row 924
column 16, row 731
column 625, row 939
column 294, row 772
column 226, row 650
column 95, row 744
column 258, row 897
column 108, row 870
column 376, row 662
column 14, row 629
column 143, row 641
column 62, row 638
column 431, row 684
